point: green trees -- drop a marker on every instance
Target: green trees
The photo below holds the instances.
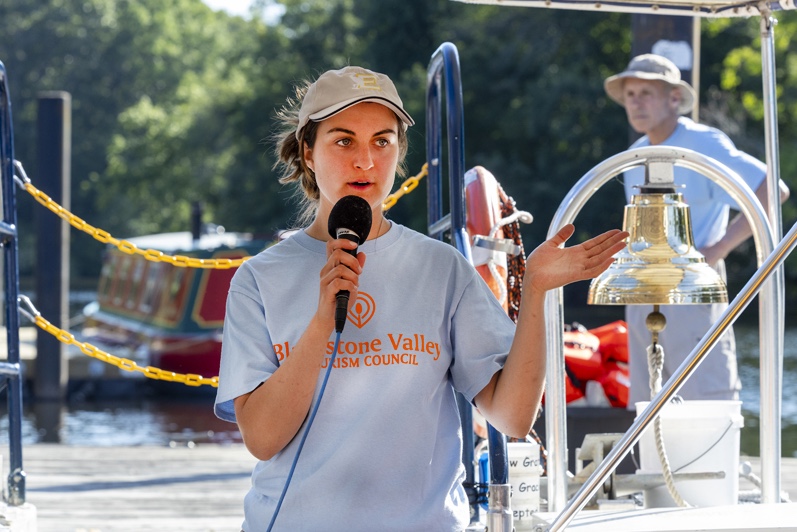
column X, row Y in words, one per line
column 174, row 103
column 152, row 84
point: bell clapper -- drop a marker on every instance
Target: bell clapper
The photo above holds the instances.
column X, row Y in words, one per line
column 655, row 322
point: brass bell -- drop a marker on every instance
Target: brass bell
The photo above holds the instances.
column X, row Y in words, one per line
column 660, row 264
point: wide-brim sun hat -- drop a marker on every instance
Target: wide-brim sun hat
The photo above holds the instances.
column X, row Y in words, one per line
column 336, row 90
column 651, row 67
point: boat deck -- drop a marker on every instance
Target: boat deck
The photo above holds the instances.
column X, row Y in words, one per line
column 780, row 517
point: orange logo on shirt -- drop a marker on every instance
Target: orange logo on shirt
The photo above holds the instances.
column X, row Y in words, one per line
column 363, row 310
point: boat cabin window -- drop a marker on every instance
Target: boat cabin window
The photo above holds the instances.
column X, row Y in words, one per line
column 173, row 300
column 119, row 290
column 152, row 288
column 107, row 278
column 134, row 293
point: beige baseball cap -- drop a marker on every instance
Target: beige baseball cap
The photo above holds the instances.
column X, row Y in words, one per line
column 336, row 90
column 653, row 67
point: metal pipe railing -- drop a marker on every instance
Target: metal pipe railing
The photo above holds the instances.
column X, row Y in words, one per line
column 771, row 375
column 770, row 319
column 445, row 60
column 684, row 371
column 16, row 476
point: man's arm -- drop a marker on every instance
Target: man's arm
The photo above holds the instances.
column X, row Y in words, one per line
column 739, row 228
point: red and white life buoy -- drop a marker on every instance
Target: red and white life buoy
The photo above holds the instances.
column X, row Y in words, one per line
column 483, row 207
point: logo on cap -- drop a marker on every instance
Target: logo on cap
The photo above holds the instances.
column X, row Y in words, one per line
column 366, row 81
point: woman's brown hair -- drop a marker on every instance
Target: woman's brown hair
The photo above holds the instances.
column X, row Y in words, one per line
column 290, row 155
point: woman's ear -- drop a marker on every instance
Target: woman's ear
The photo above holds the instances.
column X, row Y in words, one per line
column 307, row 153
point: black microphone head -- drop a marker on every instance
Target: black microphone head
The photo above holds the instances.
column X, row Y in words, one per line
column 353, row 213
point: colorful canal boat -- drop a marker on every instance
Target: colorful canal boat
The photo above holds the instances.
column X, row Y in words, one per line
column 163, row 315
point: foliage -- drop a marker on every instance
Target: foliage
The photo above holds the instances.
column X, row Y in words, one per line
column 173, row 103
column 735, row 103
column 116, row 57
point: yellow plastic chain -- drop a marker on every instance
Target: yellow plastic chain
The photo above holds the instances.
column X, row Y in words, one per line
column 154, row 255
column 406, row 187
column 125, row 245
column 126, row 364
column 190, row 379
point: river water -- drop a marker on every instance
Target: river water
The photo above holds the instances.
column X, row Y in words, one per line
column 179, row 419
column 747, row 349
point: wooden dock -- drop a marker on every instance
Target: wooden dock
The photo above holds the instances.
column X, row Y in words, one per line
column 198, row 489
column 110, row 489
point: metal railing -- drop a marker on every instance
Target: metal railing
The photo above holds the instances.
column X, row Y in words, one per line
column 770, row 335
column 10, row 372
column 445, row 60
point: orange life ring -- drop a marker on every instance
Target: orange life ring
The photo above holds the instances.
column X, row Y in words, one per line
column 483, row 213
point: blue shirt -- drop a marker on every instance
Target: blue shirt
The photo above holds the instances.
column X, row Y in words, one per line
column 384, row 451
column 709, row 204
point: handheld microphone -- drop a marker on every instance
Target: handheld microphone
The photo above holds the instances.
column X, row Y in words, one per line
column 350, row 218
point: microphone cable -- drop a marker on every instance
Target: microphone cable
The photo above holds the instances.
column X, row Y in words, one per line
column 306, row 430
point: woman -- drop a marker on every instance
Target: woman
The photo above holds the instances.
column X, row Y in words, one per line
column 384, row 450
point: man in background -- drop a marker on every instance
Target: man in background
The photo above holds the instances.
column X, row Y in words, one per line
column 654, row 97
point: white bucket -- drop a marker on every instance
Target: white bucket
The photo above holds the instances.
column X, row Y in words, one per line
column 699, row 437
column 524, row 477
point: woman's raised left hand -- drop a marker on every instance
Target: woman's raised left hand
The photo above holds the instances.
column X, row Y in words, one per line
column 552, row 266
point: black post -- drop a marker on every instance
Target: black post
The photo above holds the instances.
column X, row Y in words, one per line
column 54, row 129
column 196, row 221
